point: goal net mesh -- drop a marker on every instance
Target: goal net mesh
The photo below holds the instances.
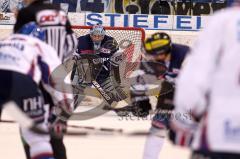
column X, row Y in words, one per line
column 129, row 40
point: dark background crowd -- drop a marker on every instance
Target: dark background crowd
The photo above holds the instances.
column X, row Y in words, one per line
column 168, row 7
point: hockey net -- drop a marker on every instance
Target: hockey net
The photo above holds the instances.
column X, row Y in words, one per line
column 130, row 43
column 182, row 37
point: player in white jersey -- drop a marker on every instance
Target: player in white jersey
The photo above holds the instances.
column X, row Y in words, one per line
column 208, row 88
column 59, row 35
column 25, row 61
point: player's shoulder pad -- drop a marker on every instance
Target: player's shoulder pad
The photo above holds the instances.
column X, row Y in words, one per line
column 84, row 42
column 181, row 46
column 83, row 38
column 180, row 49
column 178, row 54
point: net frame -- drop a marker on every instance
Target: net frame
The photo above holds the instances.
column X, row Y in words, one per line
column 74, row 27
column 132, row 53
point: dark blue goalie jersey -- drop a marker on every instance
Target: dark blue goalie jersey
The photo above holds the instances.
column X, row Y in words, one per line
column 107, row 48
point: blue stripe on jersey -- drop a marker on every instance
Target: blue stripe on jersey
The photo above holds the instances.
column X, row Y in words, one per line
column 31, row 70
column 44, row 70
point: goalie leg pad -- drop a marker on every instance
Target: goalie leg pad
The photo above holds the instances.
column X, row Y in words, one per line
column 107, row 85
column 113, row 90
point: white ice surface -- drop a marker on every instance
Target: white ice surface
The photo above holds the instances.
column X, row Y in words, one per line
column 93, row 147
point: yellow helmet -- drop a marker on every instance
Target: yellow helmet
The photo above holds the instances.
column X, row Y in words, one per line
column 158, row 43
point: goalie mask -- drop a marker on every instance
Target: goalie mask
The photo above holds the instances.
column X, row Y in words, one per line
column 158, row 46
column 97, row 33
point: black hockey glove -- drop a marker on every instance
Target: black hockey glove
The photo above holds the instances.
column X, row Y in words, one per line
column 141, row 108
column 63, row 110
column 61, row 113
column 140, row 102
column 58, row 128
column 182, row 129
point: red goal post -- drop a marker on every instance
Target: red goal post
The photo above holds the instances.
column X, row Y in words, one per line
column 130, row 41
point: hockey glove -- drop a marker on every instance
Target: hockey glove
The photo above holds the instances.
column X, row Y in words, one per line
column 140, row 102
column 60, row 115
column 141, row 108
column 58, row 128
column 63, row 110
column 182, row 129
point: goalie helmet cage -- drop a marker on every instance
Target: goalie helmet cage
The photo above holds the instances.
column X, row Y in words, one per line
column 130, row 41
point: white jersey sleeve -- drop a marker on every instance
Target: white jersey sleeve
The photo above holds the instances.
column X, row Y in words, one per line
column 32, row 57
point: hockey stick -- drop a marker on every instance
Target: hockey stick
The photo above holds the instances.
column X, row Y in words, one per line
column 93, row 131
column 150, row 92
column 110, row 134
column 8, row 121
column 104, row 129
